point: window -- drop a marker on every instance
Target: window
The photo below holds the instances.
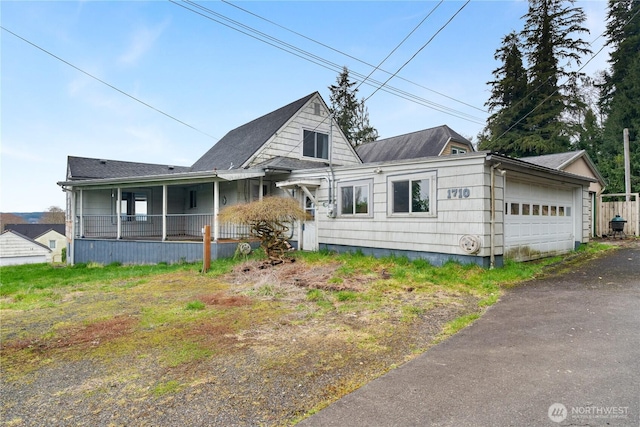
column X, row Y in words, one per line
column 536, row 209
column 134, row 206
column 412, row 195
column 354, row 198
column 526, row 209
column 315, row 145
column 193, row 199
column 515, row 208
column 458, row 150
column 52, row 244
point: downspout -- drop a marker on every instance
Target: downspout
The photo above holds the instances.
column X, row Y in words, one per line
column 492, row 262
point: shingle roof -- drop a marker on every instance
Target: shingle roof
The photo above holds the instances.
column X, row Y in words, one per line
column 237, row 146
column 553, row 161
column 289, row 164
column 80, row 168
column 424, row 143
column 34, row 231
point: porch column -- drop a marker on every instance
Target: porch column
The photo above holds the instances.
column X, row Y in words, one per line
column 119, row 214
column 164, row 212
column 72, row 238
column 81, row 213
column 216, row 210
column 260, row 184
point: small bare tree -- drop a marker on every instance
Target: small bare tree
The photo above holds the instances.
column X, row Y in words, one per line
column 269, row 219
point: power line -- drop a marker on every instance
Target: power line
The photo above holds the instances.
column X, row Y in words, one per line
column 107, row 84
column 420, row 50
column 315, row 59
column 556, row 90
column 351, row 56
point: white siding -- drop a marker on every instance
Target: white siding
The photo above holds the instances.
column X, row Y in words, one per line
column 288, row 140
column 454, row 217
column 16, row 250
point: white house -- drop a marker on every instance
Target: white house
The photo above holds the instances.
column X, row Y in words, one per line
column 49, row 235
column 16, row 249
column 427, row 194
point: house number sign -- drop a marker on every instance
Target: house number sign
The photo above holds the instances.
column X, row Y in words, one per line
column 458, row 193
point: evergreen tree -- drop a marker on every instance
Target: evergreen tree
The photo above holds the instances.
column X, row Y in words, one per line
column 364, row 132
column 507, row 102
column 533, row 111
column 549, row 33
column 352, row 115
column 621, row 95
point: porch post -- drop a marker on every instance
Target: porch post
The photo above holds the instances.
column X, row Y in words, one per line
column 81, row 213
column 119, row 214
column 216, row 210
column 72, row 238
column 164, row 212
column 260, row 183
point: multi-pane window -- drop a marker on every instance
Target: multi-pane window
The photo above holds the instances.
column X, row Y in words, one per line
column 315, row 144
column 411, row 195
column 354, row 199
column 458, row 150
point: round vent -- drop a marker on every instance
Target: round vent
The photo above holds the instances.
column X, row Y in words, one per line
column 244, row 248
column 470, row 244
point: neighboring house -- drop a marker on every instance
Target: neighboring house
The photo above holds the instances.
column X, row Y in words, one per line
column 406, row 195
column 438, row 141
column 16, row 249
column 49, row 235
column 578, row 163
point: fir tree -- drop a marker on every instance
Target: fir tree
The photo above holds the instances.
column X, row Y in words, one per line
column 549, row 34
column 621, row 95
column 507, row 102
column 352, row 115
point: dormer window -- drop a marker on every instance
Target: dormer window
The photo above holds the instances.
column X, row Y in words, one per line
column 458, row 150
column 315, row 144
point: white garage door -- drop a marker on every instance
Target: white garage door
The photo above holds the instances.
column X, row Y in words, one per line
column 538, row 219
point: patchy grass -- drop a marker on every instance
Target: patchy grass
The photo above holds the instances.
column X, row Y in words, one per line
column 267, row 345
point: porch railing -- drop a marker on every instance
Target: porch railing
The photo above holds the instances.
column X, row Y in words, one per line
column 179, row 227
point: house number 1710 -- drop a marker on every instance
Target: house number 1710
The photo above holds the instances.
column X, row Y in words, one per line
column 460, row 193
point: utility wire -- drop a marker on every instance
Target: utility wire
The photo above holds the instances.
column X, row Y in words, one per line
column 555, row 91
column 420, row 50
column 377, row 67
column 349, row 55
column 315, row 59
column 107, row 84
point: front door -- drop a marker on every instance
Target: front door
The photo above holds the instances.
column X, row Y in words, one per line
column 309, row 230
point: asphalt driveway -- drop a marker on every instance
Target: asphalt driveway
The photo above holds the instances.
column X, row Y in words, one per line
column 564, row 350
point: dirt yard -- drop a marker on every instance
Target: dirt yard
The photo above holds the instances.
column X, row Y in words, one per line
column 257, row 346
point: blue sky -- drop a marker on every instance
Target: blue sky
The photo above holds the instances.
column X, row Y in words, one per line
column 215, row 78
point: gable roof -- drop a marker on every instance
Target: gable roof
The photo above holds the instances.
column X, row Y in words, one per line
column 560, row 161
column 33, row 231
column 423, row 143
column 79, row 168
column 25, row 238
column 238, row 145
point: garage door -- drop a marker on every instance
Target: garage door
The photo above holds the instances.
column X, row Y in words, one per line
column 538, row 219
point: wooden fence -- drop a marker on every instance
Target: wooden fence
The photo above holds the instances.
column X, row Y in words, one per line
column 630, row 211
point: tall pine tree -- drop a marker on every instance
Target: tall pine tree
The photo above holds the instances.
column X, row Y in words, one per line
column 508, row 100
column 537, row 119
column 352, row 115
column 621, row 95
